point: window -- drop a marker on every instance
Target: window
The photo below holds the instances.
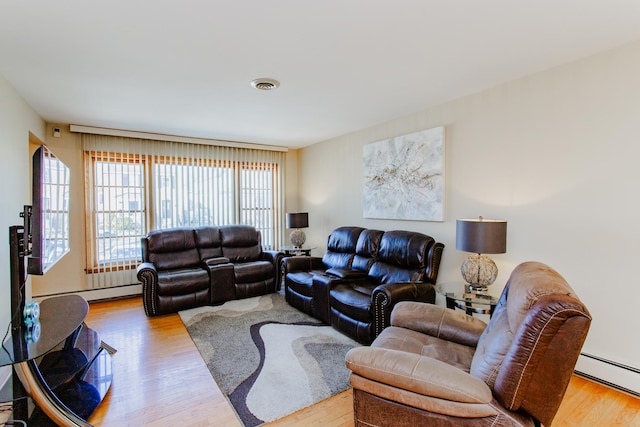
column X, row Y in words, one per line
column 193, row 194
column 130, row 194
column 256, row 200
column 118, row 214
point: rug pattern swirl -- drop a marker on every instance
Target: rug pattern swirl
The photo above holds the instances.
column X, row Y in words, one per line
column 267, row 357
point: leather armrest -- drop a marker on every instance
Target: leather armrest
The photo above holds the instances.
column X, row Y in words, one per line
column 215, row 261
column 406, row 291
column 148, row 275
column 438, row 321
column 147, row 268
column 417, row 374
column 344, row 273
column 271, row 256
column 303, row 263
column 387, row 295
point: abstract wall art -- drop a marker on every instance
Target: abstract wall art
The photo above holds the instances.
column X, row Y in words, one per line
column 404, row 177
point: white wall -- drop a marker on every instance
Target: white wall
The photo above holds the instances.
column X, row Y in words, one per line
column 556, row 154
column 17, row 121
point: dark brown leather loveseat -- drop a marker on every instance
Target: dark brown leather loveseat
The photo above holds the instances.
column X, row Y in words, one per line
column 362, row 276
column 190, row 267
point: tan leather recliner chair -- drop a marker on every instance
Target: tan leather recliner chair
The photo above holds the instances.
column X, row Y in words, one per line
column 438, row 367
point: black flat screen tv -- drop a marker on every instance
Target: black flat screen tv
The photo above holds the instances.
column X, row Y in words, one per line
column 49, row 222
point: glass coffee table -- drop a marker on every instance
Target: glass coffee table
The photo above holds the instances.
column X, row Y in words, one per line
column 458, row 295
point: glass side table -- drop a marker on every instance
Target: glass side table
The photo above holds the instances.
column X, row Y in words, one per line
column 295, row 251
column 458, row 295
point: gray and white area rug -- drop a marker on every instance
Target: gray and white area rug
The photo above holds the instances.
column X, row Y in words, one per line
column 267, row 357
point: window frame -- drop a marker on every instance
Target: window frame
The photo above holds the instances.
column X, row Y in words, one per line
column 93, row 264
column 149, row 196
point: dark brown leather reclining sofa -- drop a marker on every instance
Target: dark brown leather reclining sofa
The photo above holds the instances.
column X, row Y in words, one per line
column 190, row 267
column 361, row 277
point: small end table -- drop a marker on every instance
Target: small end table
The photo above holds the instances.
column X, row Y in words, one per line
column 458, row 295
column 295, row 251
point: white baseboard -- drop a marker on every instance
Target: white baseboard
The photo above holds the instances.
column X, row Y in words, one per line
column 101, row 294
column 609, row 372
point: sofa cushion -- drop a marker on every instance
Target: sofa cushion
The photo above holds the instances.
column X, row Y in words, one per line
column 338, row 260
column 354, row 302
column 341, row 247
column 344, row 239
column 248, row 272
column 209, row 242
column 367, row 249
column 411, row 341
column 406, row 249
column 173, row 248
column 182, row 281
column 240, row 243
column 302, row 281
column 388, row 273
column 348, row 274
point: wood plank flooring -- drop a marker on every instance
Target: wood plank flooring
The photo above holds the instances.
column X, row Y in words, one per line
column 161, row 380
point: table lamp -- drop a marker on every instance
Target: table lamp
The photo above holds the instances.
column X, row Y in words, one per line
column 297, row 221
column 481, row 236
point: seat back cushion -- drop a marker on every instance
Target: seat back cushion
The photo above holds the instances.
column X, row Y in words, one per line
column 402, row 257
column 209, row 242
column 241, row 243
column 172, row 248
column 403, row 339
column 528, row 351
column 255, row 271
column 387, row 273
column 341, row 247
column 527, row 283
column 367, row 249
column 405, row 249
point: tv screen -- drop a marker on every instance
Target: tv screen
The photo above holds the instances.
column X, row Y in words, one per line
column 49, row 221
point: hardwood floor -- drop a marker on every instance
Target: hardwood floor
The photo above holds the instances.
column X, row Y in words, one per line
column 159, row 377
column 161, row 380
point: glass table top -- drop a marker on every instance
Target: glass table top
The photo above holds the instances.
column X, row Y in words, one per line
column 460, row 291
column 59, row 318
column 295, row 250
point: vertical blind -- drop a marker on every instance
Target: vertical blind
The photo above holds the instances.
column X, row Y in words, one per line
column 136, row 185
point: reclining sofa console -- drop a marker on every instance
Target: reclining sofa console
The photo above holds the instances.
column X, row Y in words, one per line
column 190, row 267
column 362, row 276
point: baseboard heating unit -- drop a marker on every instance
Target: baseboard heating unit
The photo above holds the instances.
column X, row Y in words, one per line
column 614, row 374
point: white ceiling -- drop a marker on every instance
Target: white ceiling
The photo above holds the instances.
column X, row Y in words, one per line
column 185, row 67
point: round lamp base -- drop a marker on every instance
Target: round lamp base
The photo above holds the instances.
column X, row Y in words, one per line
column 479, row 271
column 297, row 238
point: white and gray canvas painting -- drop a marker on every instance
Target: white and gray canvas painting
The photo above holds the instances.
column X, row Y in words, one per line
column 404, row 177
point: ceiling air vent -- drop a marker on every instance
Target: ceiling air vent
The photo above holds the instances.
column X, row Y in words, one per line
column 265, row 84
